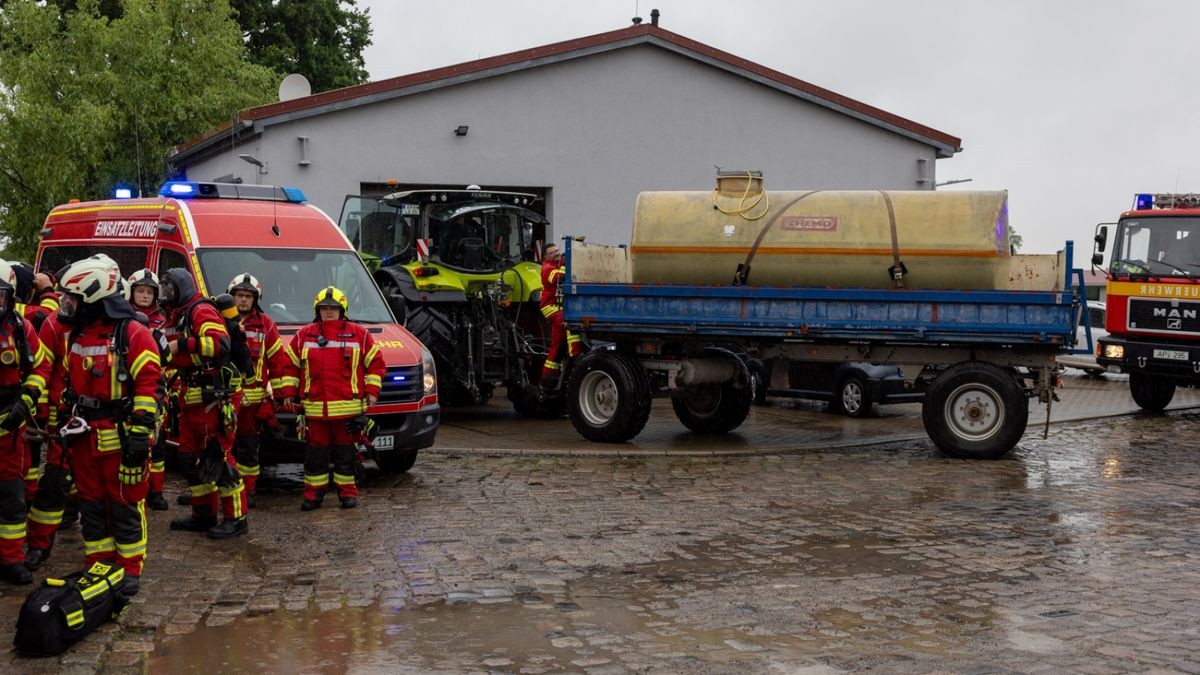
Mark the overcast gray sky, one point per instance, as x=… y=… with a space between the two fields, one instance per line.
x=1071 y=105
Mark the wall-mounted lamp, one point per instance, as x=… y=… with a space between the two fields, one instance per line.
x=461 y=130
x=262 y=166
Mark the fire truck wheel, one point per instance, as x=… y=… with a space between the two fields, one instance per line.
x=1150 y=393
x=975 y=411
x=396 y=461
x=713 y=408
x=608 y=397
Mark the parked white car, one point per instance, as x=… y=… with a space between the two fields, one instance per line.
x=1087 y=362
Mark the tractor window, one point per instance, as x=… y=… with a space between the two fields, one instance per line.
x=129 y=258
x=291 y=279
x=375 y=228
x=479 y=237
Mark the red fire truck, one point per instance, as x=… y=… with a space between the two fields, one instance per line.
x=219 y=230
x=1153 y=303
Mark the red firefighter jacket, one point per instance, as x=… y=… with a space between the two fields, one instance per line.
x=203 y=344
x=21 y=369
x=552 y=275
x=52 y=333
x=337 y=365
x=90 y=368
x=269 y=357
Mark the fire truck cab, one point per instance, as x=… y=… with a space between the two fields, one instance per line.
x=1153 y=296
x=219 y=230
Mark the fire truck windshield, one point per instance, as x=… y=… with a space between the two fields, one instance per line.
x=291 y=278
x=1160 y=246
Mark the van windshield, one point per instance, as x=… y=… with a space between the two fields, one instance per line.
x=291 y=278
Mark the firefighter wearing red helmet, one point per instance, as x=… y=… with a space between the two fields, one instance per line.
x=143 y=295
x=340 y=371
x=270 y=362
x=562 y=342
x=199 y=348
x=23 y=371
x=111 y=378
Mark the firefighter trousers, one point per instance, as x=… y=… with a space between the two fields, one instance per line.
x=14 y=463
x=329 y=441
x=196 y=426
x=54 y=488
x=252 y=419
x=112 y=514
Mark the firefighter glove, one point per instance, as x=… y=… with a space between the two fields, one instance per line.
x=360 y=424
x=133 y=458
x=15 y=413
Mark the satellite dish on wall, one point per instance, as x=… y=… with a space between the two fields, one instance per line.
x=294 y=86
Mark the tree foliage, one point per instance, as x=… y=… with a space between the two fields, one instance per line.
x=322 y=40
x=88 y=102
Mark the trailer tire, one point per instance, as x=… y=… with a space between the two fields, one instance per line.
x=713 y=408
x=975 y=411
x=608 y=397
x=1150 y=393
x=396 y=461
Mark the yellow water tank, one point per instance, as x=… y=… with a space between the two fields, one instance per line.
x=945 y=240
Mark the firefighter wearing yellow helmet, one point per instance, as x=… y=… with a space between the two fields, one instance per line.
x=339 y=371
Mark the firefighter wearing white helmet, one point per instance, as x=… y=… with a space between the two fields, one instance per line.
x=340 y=371
x=269 y=358
x=143 y=289
x=110 y=376
x=24 y=366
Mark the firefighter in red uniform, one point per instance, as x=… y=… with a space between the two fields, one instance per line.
x=340 y=371
x=209 y=395
x=34 y=314
x=23 y=370
x=56 y=483
x=112 y=384
x=270 y=360
x=143 y=290
x=562 y=341
x=44 y=293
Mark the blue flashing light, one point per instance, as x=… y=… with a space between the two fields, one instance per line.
x=1143 y=202
x=123 y=193
x=178 y=189
x=398 y=378
x=294 y=194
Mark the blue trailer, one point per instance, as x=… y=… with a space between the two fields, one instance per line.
x=983 y=353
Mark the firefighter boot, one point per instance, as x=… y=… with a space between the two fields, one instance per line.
x=16 y=574
x=201 y=520
x=130 y=585
x=312 y=504
x=36 y=557
x=155 y=501
x=184 y=499
x=229 y=528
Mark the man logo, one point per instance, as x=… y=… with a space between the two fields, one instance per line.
x=1174 y=324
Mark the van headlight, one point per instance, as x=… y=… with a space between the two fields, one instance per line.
x=1114 y=351
x=428 y=372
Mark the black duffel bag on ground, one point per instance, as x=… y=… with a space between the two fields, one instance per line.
x=61 y=612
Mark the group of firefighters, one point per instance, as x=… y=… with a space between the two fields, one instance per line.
x=97 y=371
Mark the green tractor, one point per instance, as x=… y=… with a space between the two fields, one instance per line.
x=459 y=269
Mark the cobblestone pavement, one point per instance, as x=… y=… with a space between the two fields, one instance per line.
x=1077 y=553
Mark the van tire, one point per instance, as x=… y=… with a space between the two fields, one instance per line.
x=396 y=461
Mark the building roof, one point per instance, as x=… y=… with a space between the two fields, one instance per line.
x=254 y=119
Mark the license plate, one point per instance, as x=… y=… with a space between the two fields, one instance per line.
x=1171 y=354
x=384 y=442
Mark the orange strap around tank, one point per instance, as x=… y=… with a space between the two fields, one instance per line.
x=743 y=270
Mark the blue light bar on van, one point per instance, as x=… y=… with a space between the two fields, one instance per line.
x=1143 y=202
x=123 y=193
x=269 y=193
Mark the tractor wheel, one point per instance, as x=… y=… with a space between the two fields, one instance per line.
x=527 y=404
x=435 y=330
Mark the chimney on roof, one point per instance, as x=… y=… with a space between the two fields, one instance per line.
x=654 y=17
x=637 y=20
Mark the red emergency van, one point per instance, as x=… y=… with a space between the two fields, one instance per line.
x=219 y=230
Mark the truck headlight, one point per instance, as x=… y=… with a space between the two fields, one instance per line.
x=428 y=372
x=1114 y=351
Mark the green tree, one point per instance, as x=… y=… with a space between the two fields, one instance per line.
x=88 y=103
x=320 y=39
x=1014 y=240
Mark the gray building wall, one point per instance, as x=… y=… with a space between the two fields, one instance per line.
x=596 y=130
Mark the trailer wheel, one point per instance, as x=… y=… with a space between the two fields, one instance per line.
x=608 y=397
x=396 y=461
x=975 y=411
x=852 y=397
x=1150 y=393
x=713 y=408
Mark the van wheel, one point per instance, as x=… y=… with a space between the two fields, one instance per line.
x=1150 y=393
x=396 y=461
x=975 y=411
x=851 y=397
